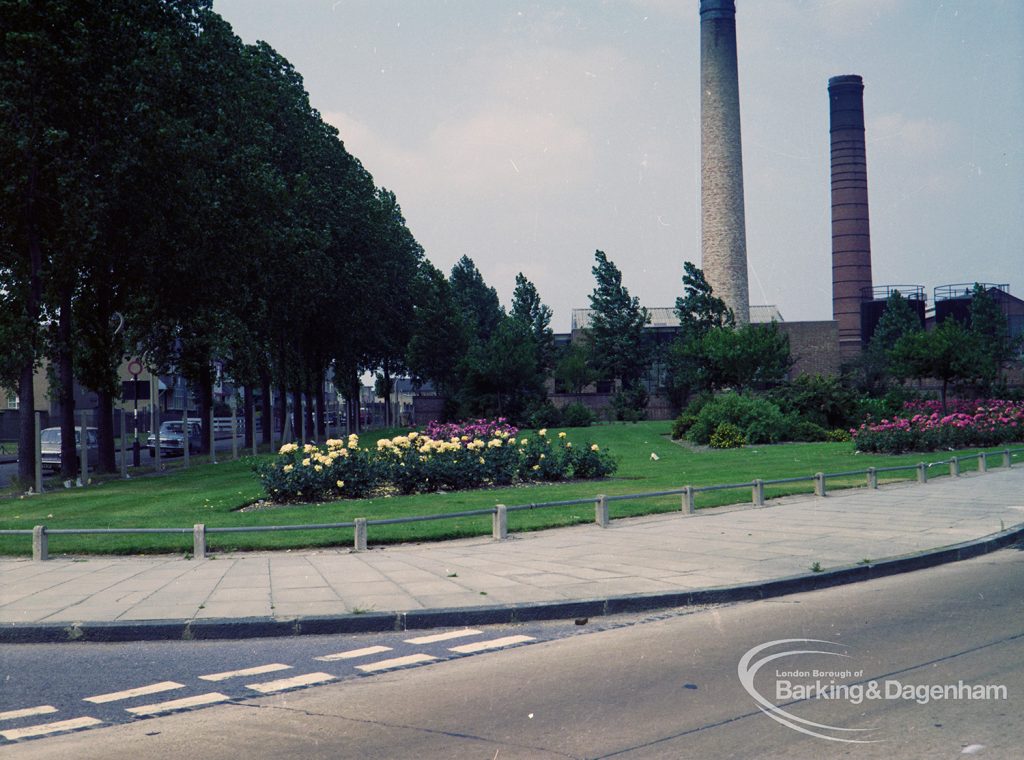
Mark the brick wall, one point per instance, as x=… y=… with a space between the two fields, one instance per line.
x=814 y=347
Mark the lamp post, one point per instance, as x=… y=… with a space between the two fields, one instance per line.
x=135 y=369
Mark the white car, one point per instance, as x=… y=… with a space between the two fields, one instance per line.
x=171 y=439
x=50 y=440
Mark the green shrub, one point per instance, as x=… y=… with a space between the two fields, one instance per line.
x=804 y=430
x=820 y=399
x=727 y=436
x=838 y=436
x=682 y=424
x=577 y=415
x=759 y=420
x=588 y=461
x=545 y=415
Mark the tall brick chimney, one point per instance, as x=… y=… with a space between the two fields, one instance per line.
x=851 y=236
x=723 y=226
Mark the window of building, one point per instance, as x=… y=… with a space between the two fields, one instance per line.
x=12 y=401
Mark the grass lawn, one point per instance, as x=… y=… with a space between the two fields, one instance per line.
x=212 y=494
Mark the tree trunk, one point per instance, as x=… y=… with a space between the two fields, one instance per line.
x=27 y=425
x=321 y=409
x=282 y=412
x=266 y=423
x=105 y=432
x=250 y=416
x=66 y=391
x=205 y=407
x=300 y=434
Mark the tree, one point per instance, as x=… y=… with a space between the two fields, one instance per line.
x=573 y=371
x=477 y=302
x=991 y=335
x=440 y=337
x=948 y=353
x=699 y=312
x=898 y=319
x=503 y=376
x=745 y=357
x=528 y=308
x=618 y=350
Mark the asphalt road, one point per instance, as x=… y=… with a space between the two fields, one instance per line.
x=663 y=687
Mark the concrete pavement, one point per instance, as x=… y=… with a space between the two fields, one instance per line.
x=639 y=563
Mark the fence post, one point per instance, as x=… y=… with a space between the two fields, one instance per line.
x=499 y=523
x=199 y=541
x=157 y=451
x=39 y=451
x=922 y=472
x=601 y=511
x=687 y=505
x=954 y=467
x=1007 y=458
x=40 y=544
x=872 y=477
x=360 y=534
x=757 y=493
x=983 y=462
x=819 y=484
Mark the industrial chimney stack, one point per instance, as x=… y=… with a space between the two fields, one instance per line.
x=851 y=237
x=723 y=227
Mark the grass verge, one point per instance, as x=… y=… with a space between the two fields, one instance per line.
x=212 y=494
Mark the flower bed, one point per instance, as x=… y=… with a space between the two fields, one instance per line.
x=923 y=427
x=421 y=463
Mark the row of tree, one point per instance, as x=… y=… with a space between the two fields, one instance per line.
x=162 y=176
x=958 y=354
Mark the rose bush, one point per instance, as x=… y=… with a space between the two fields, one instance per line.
x=420 y=463
x=924 y=427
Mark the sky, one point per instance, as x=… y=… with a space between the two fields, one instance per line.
x=526 y=135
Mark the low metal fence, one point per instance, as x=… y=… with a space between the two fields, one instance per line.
x=499 y=513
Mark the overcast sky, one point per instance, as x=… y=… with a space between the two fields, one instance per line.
x=528 y=134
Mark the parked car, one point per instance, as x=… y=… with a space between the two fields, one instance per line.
x=50 y=440
x=171 y=438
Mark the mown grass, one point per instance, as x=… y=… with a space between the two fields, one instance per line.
x=212 y=494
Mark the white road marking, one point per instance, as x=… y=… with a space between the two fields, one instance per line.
x=259 y=670
x=12 y=734
x=352 y=653
x=179 y=704
x=41 y=710
x=394 y=662
x=443 y=636
x=480 y=646
x=153 y=688
x=268 y=687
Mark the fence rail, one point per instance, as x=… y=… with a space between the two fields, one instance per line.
x=499 y=512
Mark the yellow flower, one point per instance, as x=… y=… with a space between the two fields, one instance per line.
x=340 y=484
x=288 y=448
x=309 y=448
x=318 y=468
x=412 y=435
x=524 y=441
x=568 y=444
x=481 y=460
x=305 y=462
x=542 y=432
x=287 y=468
x=335 y=443
x=536 y=467
x=543 y=456
x=561 y=435
x=595 y=447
